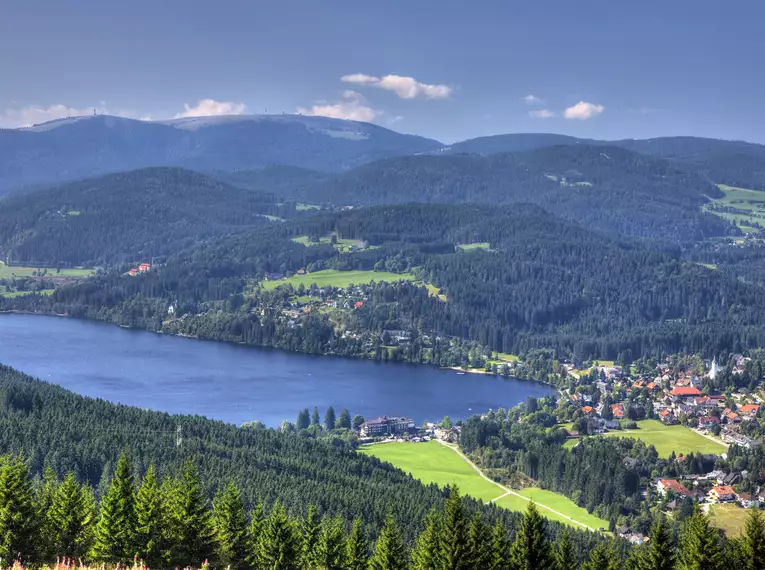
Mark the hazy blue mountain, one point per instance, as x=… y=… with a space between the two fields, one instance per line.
x=81 y=147
x=736 y=163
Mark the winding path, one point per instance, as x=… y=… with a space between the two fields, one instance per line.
x=510 y=491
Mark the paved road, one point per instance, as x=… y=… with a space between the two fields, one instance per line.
x=510 y=491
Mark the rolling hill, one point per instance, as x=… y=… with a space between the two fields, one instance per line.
x=126 y=217
x=81 y=147
x=605 y=188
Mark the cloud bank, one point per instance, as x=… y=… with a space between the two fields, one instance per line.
x=352 y=107
x=403 y=87
x=212 y=108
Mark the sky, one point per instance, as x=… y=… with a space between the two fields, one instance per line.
x=446 y=69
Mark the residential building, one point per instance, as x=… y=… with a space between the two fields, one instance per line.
x=665 y=486
x=723 y=493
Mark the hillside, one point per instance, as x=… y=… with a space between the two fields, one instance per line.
x=81 y=147
x=127 y=217
x=542 y=283
x=735 y=163
x=604 y=188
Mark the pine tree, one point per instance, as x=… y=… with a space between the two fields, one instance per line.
x=330 y=549
x=310 y=526
x=754 y=541
x=564 y=555
x=390 y=550
x=279 y=546
x=152 y=540
x=70 y=519
x=114 y=536
x=315 y=417
x=20 y=522
x=659 y=553
x=329 y=419
x=500 y=548
x=426 y=554
x=699 y=547
x=531 y=549
x=254 y=533
x=230 y=523
x=357 y=548
x=598 y=559
x=344 y=420
x=303 y=419
x=45 y=495
x=452 y=540
x=196 y=536
x=479 y=543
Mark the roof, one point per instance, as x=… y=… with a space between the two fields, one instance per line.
x=723 y=490
x=587 y=409
x=664 y=413
x=707 y=419
x=749 y=408
x=675 y=487
x=685 y=391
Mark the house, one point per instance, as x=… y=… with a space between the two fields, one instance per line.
x=708 y=421
x=133 y=272
x=667 y=417
x=385 y=425
x=144 y=267
x=723 y=493
x=749 y=410
x=665 y=486
x=748 y=501
x=358 y=304
x=731 y=417
x=685 y=392
x=588 y=410
x=618 y=411
x=301 y=271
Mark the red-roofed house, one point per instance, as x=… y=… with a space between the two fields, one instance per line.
x=667 y=417
x=665 y=486
x=708 y=421
x=144 y=267
x=685 y=391
x=588 y=410
x=749 y=409
x=133 y=272
x=358 y=304
x=723 y=493
x=618 y=411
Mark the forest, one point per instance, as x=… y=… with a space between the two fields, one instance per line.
x=544 y=283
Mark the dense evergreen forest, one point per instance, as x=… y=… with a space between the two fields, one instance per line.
x=128 y=217
x=543 y=283
x=604 y=188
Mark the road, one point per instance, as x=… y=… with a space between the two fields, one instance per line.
x=510 y=491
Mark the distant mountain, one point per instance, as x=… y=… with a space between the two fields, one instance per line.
x=81 y=147
x=735 y=163
x=126 y=217
x=288 y=181
x=604 y=188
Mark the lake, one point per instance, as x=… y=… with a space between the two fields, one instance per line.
x=236 y=383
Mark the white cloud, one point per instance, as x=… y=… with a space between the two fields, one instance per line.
x=394 y=120
x=211 y=108
x=353 y=107
x=532 y=100
x=404 y=87
x=541 y=114
x=583 y=111
x=34 y=114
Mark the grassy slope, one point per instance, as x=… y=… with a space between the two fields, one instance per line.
x=6 y=272
x=666 y=439
x=341 y=279
x=731 y=518
x=432 y=462
x=750 y=202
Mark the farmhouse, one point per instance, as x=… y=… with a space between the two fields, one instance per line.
x=685 y=392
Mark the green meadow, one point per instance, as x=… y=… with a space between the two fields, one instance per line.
x=8 y=272
x=340 y=279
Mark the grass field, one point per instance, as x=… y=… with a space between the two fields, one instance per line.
x=341 y=245
x=432 y=462
x=12 y=294
x=304 y=207
x=334 y=278
x=750 y=206
x=666 y=439
x=730 y=518
x=6 y=272
x=474 y=246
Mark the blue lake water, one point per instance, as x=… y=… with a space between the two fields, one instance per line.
x=236 y=383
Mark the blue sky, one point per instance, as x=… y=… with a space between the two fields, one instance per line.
x=448 y=69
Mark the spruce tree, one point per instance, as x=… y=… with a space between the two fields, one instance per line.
x=310 y=526
x=20 y=521
x=425 y=555
x=330 y=549
x=453 y=535
x=500 y=548
x=659 y=553
x=196 y=536
x=279 y=546
x=254 y=532
x=303 y=419
x=344 y=420
x=357 y=548
x=699 y=547
x=479 y=543
x=531 y=549
x=230 y=523
x=315 y=417
x=70 y=519
x=753 y=541
x=152 y=535
x=329 y=419
x=390 y=550
x=599 y=559
x=115 y=530
x=45 y=494
x=564 y=554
